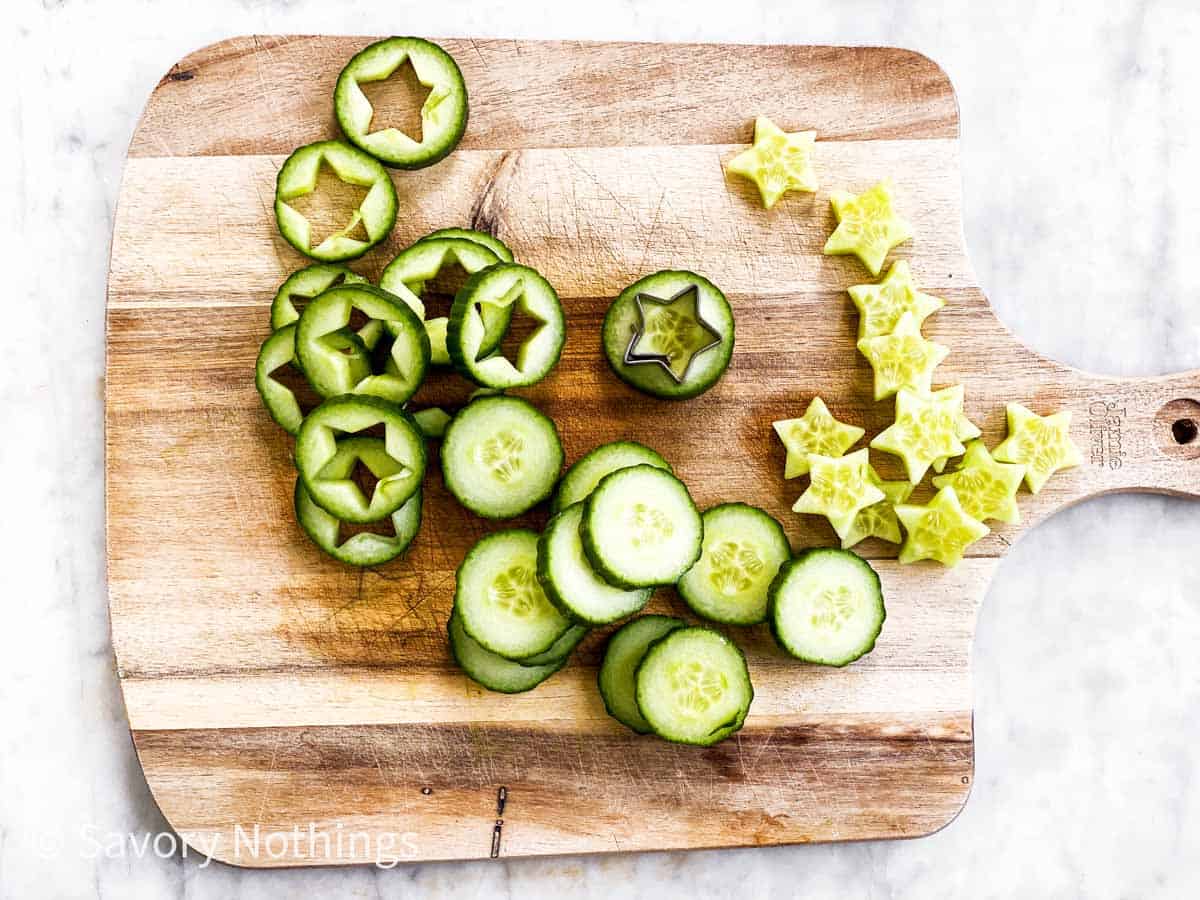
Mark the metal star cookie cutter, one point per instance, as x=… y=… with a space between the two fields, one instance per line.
x=638 y=359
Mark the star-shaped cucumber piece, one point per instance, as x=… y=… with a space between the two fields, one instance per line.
x=925 y=429
x=879 y=519
x=817 y=431
x=840 y=488
x=1041 y=443
x=902 y=359
x=881 y=305
x=868 y=226
x=778 y=162
x=966 y=430
x=986 y=489
x=940 y=530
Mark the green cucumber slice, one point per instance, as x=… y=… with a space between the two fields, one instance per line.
x=585 y=473
x=622 y=656
x=305 y=284
x=364 y=548
x=327 y=368
x=407 y=274
x=742 y=551
x=693 y=687
x=494 y=672
x=570 y=581
x=298 y=177
x=432 y=421
x=501 y=456
x=278 y=351
x=505 y=285
x=443 y=114
x=827 y=607
x=327 y=453
x=493 y=243
x=499 y=599
x=673 y=333
x=640 y=528
x=560 y=649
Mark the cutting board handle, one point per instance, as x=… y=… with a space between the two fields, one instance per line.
x=1139 y=434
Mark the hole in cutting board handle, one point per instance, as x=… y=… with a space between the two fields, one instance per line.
x=1179 y=424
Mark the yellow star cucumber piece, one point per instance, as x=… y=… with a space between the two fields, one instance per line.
x=881 y=305
x=1041 y=443
x=902 y=359
x=868 y=225
x=839 y=489
x=939 y=530
x=879 y=519
x=778 y=161
x=986 y=489
x=817 y=431
x=925 y=429
x=966 y=431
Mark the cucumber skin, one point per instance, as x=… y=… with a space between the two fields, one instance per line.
x=382 y=406
x=492 y=242
x=458 y=312
x=422 y=161
x=680 y=623
x=544 y=658
x=556 y=505
x=463 y=621
x=552 y=593
x=681 y=392
x=724 y=733
x=260 y=378
x=498 y=690
x=592 y=552
x=777 y=585
x=446 y=442
x=683 y=593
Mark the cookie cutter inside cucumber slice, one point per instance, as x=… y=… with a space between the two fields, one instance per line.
x=669 y=335
x=375 y=212
x=409 y=274
x=443 y=112
x=330 y=446
x=326 y=365
x=525 y=290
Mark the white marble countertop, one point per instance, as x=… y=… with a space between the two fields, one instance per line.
x=1080 y=144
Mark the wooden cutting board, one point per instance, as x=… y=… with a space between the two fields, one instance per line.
x=270 y=688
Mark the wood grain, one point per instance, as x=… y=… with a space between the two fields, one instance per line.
x=269 y=686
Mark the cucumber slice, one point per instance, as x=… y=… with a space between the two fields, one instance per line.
x=986 y=489
x=298 y=177
x=839 y=489
x=407 y=274
x=327 y=368
x=443 y=114
x=827 y=607
x=1042 y=444
x=305 y=284
x=494 y=672
x=693 y=687
x=279 y=350
x=326 y=458
x=881 y=305
x=560 y=649
x=570 y=581
x=742 y=551
x=363 y=549
x=432 y=421
x=868 y=225
x=640 y=528
x=503 y=286
x=501 y=456
x=493 y=243
x=622 y=656
x=939 y=530
x=499 y=599
x=585 y=473
x=672 y=329
x=926 y=429
x=817 y=433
